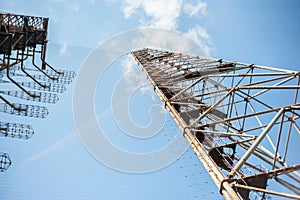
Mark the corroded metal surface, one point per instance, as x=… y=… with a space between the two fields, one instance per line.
x=240 y=119
x=24 y=38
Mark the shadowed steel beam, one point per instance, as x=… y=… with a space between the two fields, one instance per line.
x=267 y=191
x=255 y=144
x=212 y=107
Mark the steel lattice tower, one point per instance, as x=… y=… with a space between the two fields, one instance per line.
x=241 y=120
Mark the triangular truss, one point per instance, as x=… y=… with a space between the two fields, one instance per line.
x=242 y=120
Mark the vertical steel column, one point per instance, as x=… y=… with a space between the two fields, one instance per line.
x=44 y=46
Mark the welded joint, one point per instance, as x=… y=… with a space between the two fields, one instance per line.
x=296 y=74
x=222 y=183
x=184 y=130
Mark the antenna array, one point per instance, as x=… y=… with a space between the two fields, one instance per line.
x=24 y=38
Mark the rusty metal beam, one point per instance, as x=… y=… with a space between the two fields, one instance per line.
x=193 y=89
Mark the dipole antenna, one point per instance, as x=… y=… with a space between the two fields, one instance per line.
x=22 y=38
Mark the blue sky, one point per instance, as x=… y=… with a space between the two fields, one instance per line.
x=53 y=164
x=256 y=28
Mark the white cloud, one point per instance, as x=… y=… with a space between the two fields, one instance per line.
x=132 y=74
x=128 y=64
x=135 y=77
x=63 y=48
x=159 y=13
x=165 y=14
x=199 y=35
x=192 y=10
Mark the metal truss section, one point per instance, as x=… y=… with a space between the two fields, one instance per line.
x=42 y=96
x=16 y=130
x=24 y=110
x=64 y=73
x=5 y=162
x=24 y=38
x=40 y=77
x=15 y=22
x=242 y=120
x=50 y=87
x=21 y=31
